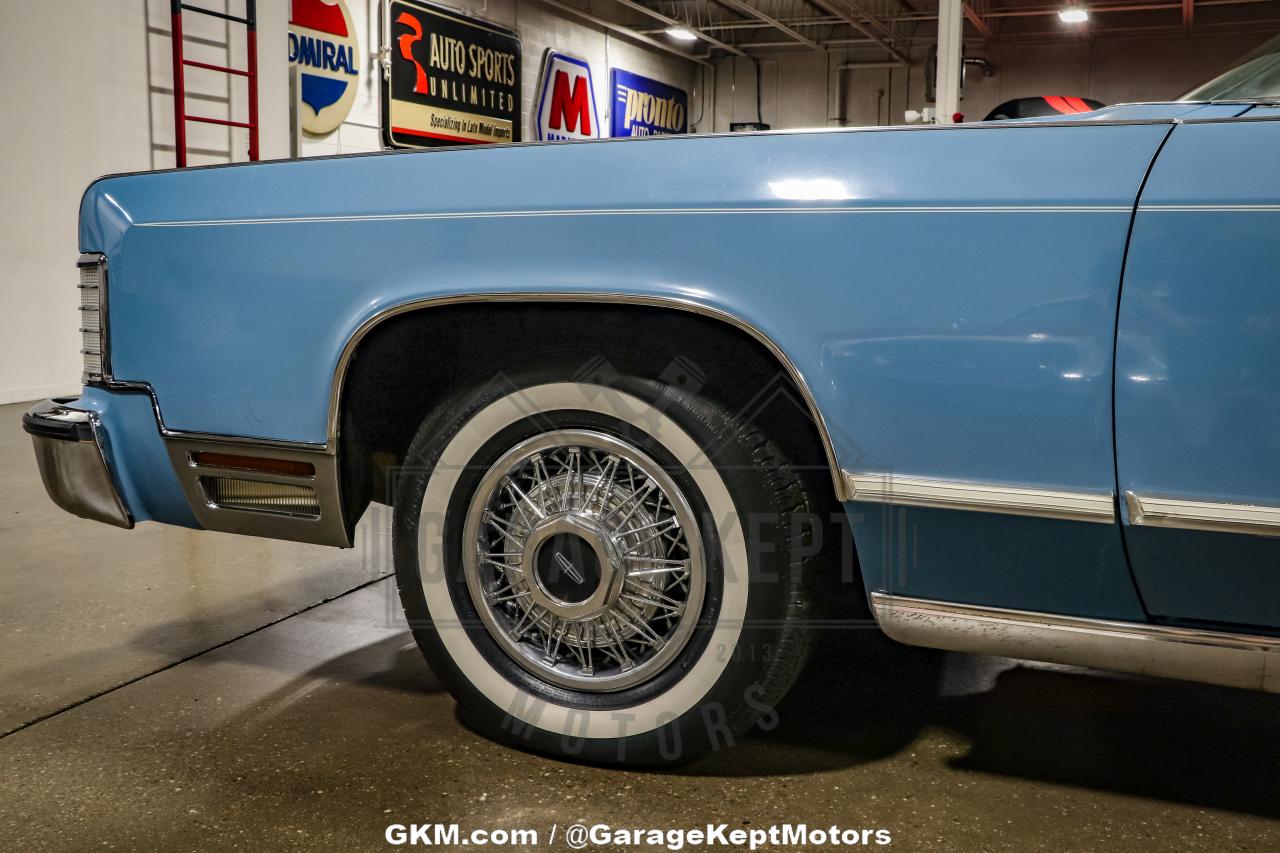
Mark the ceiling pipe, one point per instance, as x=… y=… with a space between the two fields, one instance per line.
x=747 y=9
x=1032 y=12
x=842 y=83
x=672 y=22
x=888 y=43
x=987 y=68
x=619 y=28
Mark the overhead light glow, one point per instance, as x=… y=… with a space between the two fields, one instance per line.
x=681 y=34
x=1073 y=14
x=812 y=189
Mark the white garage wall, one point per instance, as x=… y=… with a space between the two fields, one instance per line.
x=90 y=93
x=75 y=106
x=95 y=98
x=539 y=27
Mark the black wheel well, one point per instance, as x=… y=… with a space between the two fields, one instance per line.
x=406 y=363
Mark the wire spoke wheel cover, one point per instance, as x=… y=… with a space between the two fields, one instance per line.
x=584 y=560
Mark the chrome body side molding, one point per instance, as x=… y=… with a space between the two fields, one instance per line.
x=348 y=352
x=889 y=488
x=1230 y=660
x=1220 y=517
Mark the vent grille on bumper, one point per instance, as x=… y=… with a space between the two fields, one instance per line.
x=92 y=338
x=281 y=498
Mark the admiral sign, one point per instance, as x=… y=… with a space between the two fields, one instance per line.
x=322 y=42
x=646 y=107
x=566 y=99
x=452 y=80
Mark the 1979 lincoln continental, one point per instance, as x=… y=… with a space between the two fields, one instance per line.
x=628 y=399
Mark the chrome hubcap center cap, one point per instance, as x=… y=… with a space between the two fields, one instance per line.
x=576 y=568
x=583 y=560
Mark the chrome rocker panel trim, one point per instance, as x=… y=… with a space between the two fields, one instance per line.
x=1216 y=516
x=68 y=448
x=1229 y=660
x=890 y=488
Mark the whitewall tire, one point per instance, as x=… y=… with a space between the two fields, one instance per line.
x=575 y=562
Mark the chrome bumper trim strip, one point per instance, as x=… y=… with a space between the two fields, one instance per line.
x=890 y=488
x=1230 y=660
x=1149 y=511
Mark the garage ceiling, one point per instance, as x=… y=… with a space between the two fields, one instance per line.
x=892 y=27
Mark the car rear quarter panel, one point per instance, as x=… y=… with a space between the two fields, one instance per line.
x=948 y=294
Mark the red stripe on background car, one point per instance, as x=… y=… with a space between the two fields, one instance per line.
x=1060 y=104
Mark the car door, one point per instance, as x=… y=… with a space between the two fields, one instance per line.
x=1197 y=392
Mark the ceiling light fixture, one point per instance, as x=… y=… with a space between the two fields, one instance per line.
x=681 y=34
x=1073 y=14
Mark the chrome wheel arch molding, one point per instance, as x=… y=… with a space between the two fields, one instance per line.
x=674 y=303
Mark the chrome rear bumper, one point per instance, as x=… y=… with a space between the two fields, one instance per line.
x=69 y=452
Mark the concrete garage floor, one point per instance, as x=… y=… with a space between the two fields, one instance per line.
x=317 y=731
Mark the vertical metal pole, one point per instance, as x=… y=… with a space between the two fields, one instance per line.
x=251 y=39
x=179 y=86
x=950 y=59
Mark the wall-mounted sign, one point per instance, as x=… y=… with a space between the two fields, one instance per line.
x=322 y=43
x=566 y=106
x=452 y=80
x=646 y=107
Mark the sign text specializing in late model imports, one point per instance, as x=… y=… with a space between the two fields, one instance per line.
x=646 y=107
x=566 y=107
x=452 y=80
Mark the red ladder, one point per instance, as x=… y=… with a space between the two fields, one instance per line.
x=250 y=73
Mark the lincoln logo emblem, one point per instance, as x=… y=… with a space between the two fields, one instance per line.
x=569 y=569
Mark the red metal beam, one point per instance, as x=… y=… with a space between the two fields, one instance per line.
x=224 y=69
x=251 y=65
x=1188 y=14
x=222 y=121
x=979 y=23
x=179 y=86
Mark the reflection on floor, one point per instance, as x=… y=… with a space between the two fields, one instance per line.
x=323 y=728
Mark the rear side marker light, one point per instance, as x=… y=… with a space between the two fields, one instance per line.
x=279 y=498
x=285 y=467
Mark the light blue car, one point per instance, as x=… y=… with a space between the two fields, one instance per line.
x=630 y=399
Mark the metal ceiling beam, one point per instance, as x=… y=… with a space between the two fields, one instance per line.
x=980 y=23
x=873 y=20
x=889 y=44
x=756 y=24
x=654 y=13
x=1188 y=14
x=624 y=30
x=1094 y=9
x=745 y=9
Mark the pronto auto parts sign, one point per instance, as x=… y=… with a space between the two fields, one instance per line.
x=646 y=107
x=566 y=99
x=322 y=43
x=451 y=80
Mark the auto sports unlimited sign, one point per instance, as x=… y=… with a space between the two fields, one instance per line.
x=643 y=106
x=452 y=80
x=322 y=43
x=566 y=99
